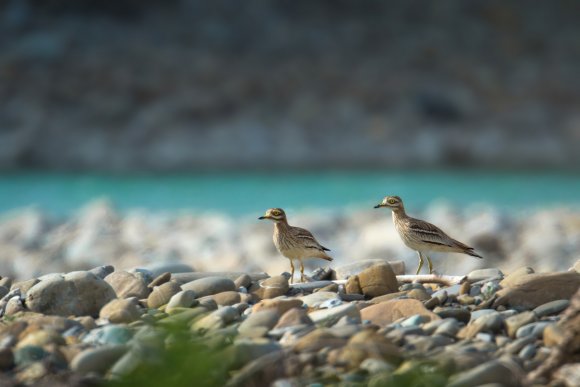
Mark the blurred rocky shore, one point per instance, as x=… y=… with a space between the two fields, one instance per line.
x=174 y=85
x=33 y=243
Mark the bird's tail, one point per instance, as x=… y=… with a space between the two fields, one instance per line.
x=467 y=249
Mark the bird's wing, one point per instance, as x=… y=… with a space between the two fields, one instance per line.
x=308 y=239
x=429 y=233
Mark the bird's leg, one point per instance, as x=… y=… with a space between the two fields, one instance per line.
x=420 y=262
x=301 y=271
x=430 y=264
x=292 y=273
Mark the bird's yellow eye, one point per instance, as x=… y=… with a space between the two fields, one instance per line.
x=392 y=201
x=276 y=213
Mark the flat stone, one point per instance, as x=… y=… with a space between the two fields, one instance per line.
x=98 y=360
x=243 y=281
x=528 y=352
x=318 y=339
x=519 y=320
x=387 y=312
x=554 y=335
x=491 y=323
x=329 y=317
x=345 y=271
x=314 y=300
x=450 y=328
x=532 y=290
x=280 y=305
x=484 y=274
x=259 y=323
x=550 y=308
x=120 y=311
x=515 y=275
x=209 y=286
x=216 y=320
x=160 y=280
x=172 y=267
x=482 y=312
x=460 y=314
x=294 y=317
x=126 y=284
x=182 y=299
x=227 y=298
x=494 y=371
x=311 y=286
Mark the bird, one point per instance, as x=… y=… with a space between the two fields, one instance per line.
x=294 y=242
x=422 y=236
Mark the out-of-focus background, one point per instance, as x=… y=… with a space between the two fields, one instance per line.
x=142 y=132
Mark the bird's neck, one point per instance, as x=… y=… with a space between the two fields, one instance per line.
x=399 y=213
x=281 y=225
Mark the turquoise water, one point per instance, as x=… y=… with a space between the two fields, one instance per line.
x=251 y=193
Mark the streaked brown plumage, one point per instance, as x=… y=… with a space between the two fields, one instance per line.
x=294 y=242
x=422 y=236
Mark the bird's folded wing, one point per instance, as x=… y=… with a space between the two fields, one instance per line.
x=429 y=233
x=308 y=238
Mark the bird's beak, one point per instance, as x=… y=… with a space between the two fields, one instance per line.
x=263 y=217
x=378 y=206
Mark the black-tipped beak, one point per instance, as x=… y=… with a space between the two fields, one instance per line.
x=261 y=217
x=378 y=206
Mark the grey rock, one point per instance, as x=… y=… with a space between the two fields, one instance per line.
x=460 y=314
x=550 y=308
x=449 y=327
x=375 y=366
x=121 y=311
x=209 y=285
x=28 y=354
x=528 y=352
x=172 y=267
x=102 y=271
x=126 y=284
x=182 y=299
x=534 y=329
x=217 y=319
x=329 y=317
x=414 y=321
x=517 y=345
x=24 y=286
x=243 y=281
x=109 y=334
x=98 y=360
x=310 y=286
x=484 y=274
x=495 y=371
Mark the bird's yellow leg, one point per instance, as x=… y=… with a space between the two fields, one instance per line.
x=301 y=271
x=430 y=264
x=420 y=263
x=292 y=273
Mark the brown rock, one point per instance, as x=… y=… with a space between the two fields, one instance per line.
x=24 y=286
x=352 y=285
x=387 y=312
x=243 y=281
x=532 y=290
x=120 y=311
x=162 y=294
x=227 y=298
x=127 y=284
x=514 y=275
x=367 y=344
x=554 y=335
x=388 y=297
x=378 y=280
x=293 y=317
x=465 y=287
x=318 y=339
x=418 y=294
x=517 y=321
x=281 y=305
x=270 y=288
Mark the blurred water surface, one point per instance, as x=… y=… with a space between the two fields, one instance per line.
x=247 y=193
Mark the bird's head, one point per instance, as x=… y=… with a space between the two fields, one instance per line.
x=392 y=202
x=274 y=214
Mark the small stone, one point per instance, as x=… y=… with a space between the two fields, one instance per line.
x=535 y=329
x=551 y=308
x=352 y=285
x=484 y=274
x=173 y=267
x=162 y=294
x=280 y=305
x=102 y=271
x=418 y=294
x=121 y=311
x=466 y=299
x=259 y=323
x=460 y=314
x=482 y=312
x=127 y=284
x=346 y=271
x=569 y=374
x=40 y=338
x=182 y=299
x=328 y=288
x=6 y=359
x=29 y=354
x=217 y=319
x=432 y=303
x=160 y=279
x=98 y=360
x=465 y=288
x=517 y=345
x=208 y=302
x=375 y=366
x=271 y=288
x=24 y=286
x=449 y=328
x=243 y=281
x=6 y=282
x=318 y=339
x=378 y=280
x=210 y=285
x=491 y=323
x=227 y=298
x=293 y=317
x=516 y=322
x=329 y=317
x=387 y=312
x=109 y=334
x=414 y=321
x=528 y=352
